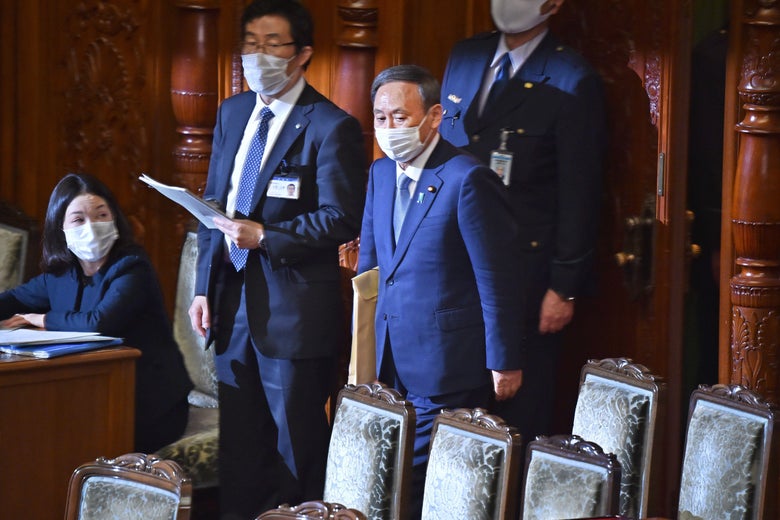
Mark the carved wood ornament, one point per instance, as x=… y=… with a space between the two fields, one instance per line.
x=755 y=287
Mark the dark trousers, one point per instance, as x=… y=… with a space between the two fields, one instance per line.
x=531 y=409
x=274 y=434
x=427 y=408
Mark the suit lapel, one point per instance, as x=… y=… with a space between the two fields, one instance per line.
x=295 y=125
x=425 y=193
x=521 y=86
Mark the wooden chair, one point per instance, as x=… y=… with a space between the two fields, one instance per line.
x=730 y=463
x=568 y=477
x=473 y=467
x=370 y=454
x=20 y=248
x=316 y=509
x=618 y=408
x=134 y=486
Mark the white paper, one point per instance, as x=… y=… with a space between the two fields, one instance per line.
x=199 y=208
x=43 y=337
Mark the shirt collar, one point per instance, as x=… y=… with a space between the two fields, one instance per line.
x=414 y=169
x=519 y=55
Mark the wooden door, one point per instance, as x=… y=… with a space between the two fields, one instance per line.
x=641 y=49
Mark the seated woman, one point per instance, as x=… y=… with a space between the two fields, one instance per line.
x=96 y=278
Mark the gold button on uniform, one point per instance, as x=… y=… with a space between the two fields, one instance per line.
x=534 y=243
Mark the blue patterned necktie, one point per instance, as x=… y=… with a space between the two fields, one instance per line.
x=402 y=198
x=503 y=76
x=246 y=186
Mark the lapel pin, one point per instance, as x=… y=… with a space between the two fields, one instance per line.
x=297 y=126
x=420 y=197
x=431 y=189
x=454 y=98
x=528 y=84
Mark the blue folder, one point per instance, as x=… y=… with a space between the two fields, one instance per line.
x=58 y=349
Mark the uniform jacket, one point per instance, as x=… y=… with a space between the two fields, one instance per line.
x=554 y=109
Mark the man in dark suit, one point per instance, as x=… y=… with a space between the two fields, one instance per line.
x=542 y=126
x=267 y=287
x=446 y=320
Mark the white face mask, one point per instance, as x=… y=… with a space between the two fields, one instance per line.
x=514 y=16
x=91 y=241
x=266 y=74
x=401 y=144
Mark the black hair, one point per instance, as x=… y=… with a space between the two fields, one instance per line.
x=427 y=84
x=57 y=258
x=296 y=14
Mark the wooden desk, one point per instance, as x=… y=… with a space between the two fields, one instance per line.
x=56 y=414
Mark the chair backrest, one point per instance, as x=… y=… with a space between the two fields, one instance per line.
x=618 y=408
x=729 y=467
x=314 y=509
x=19 y=246
x=568 y=477
x=198 y=360
x=473 y=467
x=134 y=486
x=370 y=454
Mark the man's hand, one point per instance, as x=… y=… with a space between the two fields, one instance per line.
x=556 y=313
x=506 y=383
x=244 y=233
x=23 y=320
x=200 y=317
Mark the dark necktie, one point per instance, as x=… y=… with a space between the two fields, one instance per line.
x=503 y=76
x=401 y=204
x=246 y=186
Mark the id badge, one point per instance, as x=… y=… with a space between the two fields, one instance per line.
x=501 y=163
x=282 y=187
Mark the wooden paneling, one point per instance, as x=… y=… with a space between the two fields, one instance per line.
x=57 y=414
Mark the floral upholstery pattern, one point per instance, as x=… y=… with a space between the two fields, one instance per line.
x=476 y=463
x=577 y=488
x=11 y=257
x=104 y=498
x=361 y=459
x=197 y=451
x=720 y=472
x=615 y=416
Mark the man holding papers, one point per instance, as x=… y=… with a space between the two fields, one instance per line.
x=268 y=286
x=97 y=279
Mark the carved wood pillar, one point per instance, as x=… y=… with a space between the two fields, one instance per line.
x=755 y=287
x=357 y=42
x=194 y=93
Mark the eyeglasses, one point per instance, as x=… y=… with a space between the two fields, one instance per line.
x=255 y=47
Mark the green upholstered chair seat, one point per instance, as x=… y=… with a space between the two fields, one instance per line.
x=198 y=449
x=720 y=464
x=615 y=417
x=11 y=257
x=617 y=409
x=473 y=467
x=569 y=477
x=370 y=451
x=559 y=488
x=133 y=486
x=361 y=457
x=478 y=466
x=104 y=498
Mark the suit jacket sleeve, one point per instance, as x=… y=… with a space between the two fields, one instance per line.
x=490 y=235
x=340 y=172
